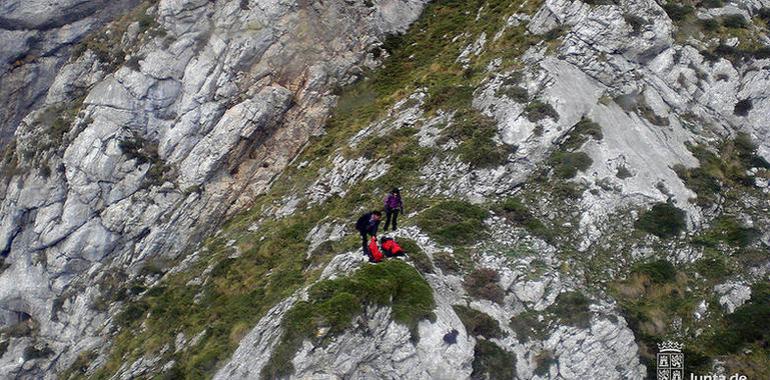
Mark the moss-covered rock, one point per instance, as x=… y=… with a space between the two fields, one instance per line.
x=334 y=303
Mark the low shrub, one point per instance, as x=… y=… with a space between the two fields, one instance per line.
x=478 y=323
x=538 y=110
x=581 y=132
x=709 y=24
x=748 y=324
x=543 y=362
x=481 y=151
x=527 y=326
x=446 y=262
x=746 y=151
x=706 y=186
x=712 y=3
x=663 y=220
x=417 y=256
x=517 y=93
x=713 y=267
x=636 y=22
x=572 y=308
x=492 y=362
x=566 y=165
x=454 y=222
x=676 y=11
x=735 y=22
x=730 y=231
x=482 y=283
x=515 y=211
x=659 y=271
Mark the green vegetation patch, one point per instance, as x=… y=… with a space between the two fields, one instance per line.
x=748 y=324
x=730 y=231
x=677 y=12
x=713 y=266
x=446 y=262
x=663 y=220
x=528 y=325
x=581 y=132
x=478 y=323
x=418 y=257
x=514 y=210
x=334 y=303
x=566 y=165
x=492 y=362
x=572 y=308
x=483 y=283
x=454 y=222
x=475 y=134
x=543 y=362
x=659 y=271
x=722 y=171
x=538 y=110
x=106 y=43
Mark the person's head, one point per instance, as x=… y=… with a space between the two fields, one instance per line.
x=376 y=215
x=395 y=191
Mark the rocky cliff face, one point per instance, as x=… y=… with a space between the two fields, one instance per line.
x=583 y=178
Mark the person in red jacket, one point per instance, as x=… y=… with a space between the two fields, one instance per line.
x=391 y=248
x=375 y=256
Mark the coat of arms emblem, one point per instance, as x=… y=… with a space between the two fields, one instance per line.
x=670 y=361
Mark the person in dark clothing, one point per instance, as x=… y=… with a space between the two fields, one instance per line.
x=393 y=206
x=367 y=225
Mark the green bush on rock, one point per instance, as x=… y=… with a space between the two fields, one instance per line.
x=333 y=304
x=454 y=222
x=663 y=220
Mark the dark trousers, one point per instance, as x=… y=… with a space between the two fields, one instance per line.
x=364 y=243
x=391 y=215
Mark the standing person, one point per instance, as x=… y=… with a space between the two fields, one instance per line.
x=367 y=226
x=393 y=206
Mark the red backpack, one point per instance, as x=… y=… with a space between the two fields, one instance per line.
x=375 y=255
x=391 y=248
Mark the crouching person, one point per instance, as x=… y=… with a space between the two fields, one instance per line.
x=375 y=256
x=367 y=226
x=390 y=247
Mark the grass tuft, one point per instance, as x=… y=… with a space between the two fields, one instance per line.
x=663 y=220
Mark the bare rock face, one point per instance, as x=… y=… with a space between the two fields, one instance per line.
x=36 y=37
x=213 y=101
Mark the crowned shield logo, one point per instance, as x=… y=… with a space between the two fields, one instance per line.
x=670 y=361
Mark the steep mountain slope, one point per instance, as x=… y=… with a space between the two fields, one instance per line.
x=583 y=181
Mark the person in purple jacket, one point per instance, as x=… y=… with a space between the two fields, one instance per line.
x=393 y=206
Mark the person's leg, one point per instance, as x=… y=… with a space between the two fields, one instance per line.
x=388 y=214
x=395 y=219
x=364 y=244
